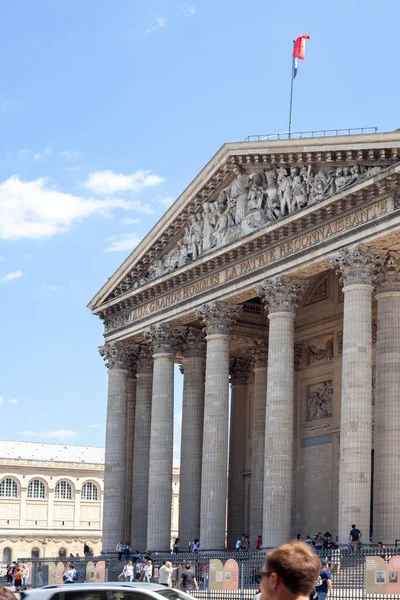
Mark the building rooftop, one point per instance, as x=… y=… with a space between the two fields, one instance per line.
x=39 y=451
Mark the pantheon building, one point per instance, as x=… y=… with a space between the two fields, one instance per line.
x=274 y=280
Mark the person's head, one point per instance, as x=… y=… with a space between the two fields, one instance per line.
x=149 y=561
x=289 y=572
x=6 y=593
x=353 y=526
x=380 y=544
x=259 y=537
x=188 y=565
x=168 y=564
x=130 y=563
x=71 y=566
x=196 y=541
x=324 y=562
x=298 y=537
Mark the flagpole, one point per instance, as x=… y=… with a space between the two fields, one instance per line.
x=291 y=94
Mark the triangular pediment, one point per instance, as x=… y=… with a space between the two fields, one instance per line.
x=245 y=188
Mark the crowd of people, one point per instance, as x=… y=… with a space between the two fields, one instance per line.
x=17 y=575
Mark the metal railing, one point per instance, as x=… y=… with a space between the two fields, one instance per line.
x=348 y=571
x=285 y=135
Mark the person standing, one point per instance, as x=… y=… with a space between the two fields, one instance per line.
x=147 y=572
x=238 y=544
x=138 y=569
x=119 y=548
x=165 y=574
x=259 y=543
x=9 y=571
x=196 y=545
x=128 y=571
x=18 y=578
x=176 y=546
x=289 y=572
x=70 y=574
x=86 y=549
x=319 y=541
x=188 y=579
x=326 y=581
x=355 y=537
x=127 y=550
x=25 y=576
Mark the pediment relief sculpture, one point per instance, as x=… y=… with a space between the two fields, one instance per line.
x=250 y=201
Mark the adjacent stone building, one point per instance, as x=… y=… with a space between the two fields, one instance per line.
x=51 y=499
x=276 y=272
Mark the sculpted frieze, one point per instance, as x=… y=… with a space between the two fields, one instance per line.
x=320 y=401
x=251 y=201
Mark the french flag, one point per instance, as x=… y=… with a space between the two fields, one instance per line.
x=299 y=52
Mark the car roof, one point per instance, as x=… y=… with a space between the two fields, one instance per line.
x=151 y=587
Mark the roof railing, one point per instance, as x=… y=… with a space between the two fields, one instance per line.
x=296 y=135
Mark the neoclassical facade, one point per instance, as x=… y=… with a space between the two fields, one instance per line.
x=274 y=280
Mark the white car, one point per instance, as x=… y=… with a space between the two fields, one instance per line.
x=105 y=591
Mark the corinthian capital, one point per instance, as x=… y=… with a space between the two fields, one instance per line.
x=162 y=337
x=354 y=265
x=218 y=317
x=282 y=294
x=259 y=353
x=387 y=272
x=194 y=343
x=116 y=355
x=144 y=359
x=239 y=369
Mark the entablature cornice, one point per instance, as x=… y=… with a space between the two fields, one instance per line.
x=309 y=219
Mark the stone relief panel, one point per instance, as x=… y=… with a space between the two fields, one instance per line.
x=320 y=401
x=251 y=201
x=320 y=351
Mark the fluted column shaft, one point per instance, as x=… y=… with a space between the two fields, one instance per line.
x=258 y=444
x=237 y=455
x=141 y=450
x=115 y=450
x=282 y=295
x=355 y=266
x=161 y=442
x=191 y=442
x=129 y=437
x=217 y=317
x=387 y=404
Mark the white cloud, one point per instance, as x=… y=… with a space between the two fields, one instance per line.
x=47 y=152
x=1 y=400
x=69 y=155
x=158 y=23
x=123 y=243
x=129 y=221
x=11 y=276
x=34 y=209
x=13 y=401
x=189 y=10
x=108 y=182
x=60 y=434
x=167 y=200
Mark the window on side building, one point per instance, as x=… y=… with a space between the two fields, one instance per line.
x=36 y=489
x=8 y=488
x=89 y=491
x=63 y=491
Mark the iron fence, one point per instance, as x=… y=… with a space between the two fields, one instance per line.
x=348 y=571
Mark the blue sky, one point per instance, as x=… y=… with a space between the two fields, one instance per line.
x=107 y=112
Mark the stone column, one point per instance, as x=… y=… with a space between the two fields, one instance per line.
x=355 y=266
x=386 y=516
x=239 y=369
x=116 y=355
x=192 y=436
x=282 y=295
x=129 y=436
x=162 y=337
x=217 y=318
x=260 y=355
x=141 y=448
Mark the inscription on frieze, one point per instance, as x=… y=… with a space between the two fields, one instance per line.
x=252 y=264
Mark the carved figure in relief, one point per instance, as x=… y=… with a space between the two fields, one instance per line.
x=238 y=193
x=209 y=220
x=299 y=190
x=320 y=401
x=195 y=236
